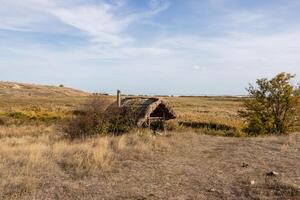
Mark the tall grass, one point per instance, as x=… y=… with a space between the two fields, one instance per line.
x=22 y=148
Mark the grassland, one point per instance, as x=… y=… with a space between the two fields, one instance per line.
x=38 y=162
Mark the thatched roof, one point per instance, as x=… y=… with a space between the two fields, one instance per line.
x=145 y=108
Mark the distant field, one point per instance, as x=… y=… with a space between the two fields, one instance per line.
x=192 y=112
x=208 y=110
x=197 y=113
x=38 y=162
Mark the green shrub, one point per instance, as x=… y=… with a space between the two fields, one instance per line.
x=211 y=128
x=271 y=106
x=96 y=118
x=18 y=115
x=89 y=122
x=208 y=125
x=120 y=120
x=297 y=90
x=46 y=117
x=23 y=117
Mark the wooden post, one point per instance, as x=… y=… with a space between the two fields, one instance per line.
x=119 y=98
x=149 y=120
x=164 y=122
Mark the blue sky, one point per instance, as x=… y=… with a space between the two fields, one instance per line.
x=187 y=47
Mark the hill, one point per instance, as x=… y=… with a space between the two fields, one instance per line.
x=21 y=90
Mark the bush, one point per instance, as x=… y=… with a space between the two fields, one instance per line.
x=89 y=122
x=271 y=107
x=96 y=118
x=120 y=120
x=297 y=90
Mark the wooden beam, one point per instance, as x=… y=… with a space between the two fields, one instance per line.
x=156 y=118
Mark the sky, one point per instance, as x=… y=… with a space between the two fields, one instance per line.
x=174 y=47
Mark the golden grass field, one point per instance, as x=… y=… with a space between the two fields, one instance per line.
x=193 y=160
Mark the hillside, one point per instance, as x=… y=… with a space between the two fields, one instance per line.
x=21 y=90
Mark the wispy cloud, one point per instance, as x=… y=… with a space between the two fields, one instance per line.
x=102 y=21
x=98 y=21
x=211 y=42
x=25 y=15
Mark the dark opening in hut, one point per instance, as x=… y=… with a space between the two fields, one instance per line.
x=146 y=111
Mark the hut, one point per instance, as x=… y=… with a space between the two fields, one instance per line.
x=145 y=110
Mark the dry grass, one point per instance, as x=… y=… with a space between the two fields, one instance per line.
x=18 y=131
x=142 y=166
x=31 y=159
x=45 y=144
x=221 y=110
x=11 y=89
x=217 y=110
x=37 y=162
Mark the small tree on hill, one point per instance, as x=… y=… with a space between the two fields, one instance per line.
x=271 y=106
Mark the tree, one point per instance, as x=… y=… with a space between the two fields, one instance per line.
x=297 y=90
x=271 y=106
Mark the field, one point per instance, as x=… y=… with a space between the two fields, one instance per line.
x=192 y=160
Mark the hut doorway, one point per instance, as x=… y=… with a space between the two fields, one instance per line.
x=157 y=119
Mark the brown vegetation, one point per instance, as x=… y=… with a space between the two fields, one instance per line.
x=11 y=89
x=142 y=166
x=88 y=121
x=39 y=162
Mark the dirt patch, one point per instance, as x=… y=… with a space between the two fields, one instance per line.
x=180 y=166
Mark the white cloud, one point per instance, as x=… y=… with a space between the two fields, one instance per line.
x=238 y=51
x=240 y=18
x=98 y=21
x=103 y=22
x=180 y=54
x=199 y=68
x=22 y=15
x=196 y=67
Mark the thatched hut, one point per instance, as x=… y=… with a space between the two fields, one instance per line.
x=145 y=110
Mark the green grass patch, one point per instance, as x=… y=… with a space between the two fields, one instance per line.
x=35 y=116
x=211 y=128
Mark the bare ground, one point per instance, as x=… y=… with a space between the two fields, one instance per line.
x=194 y=166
